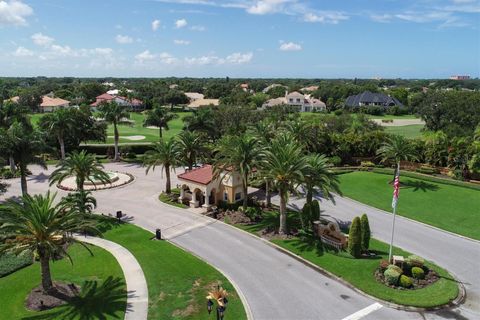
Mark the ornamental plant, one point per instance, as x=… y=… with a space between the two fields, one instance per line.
x=391 y=276
x=415 y=261
x=365 y=231
x=355 y=238
x=405 y=282
x=418 y=273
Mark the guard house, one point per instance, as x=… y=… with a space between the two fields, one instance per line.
x=199 y=188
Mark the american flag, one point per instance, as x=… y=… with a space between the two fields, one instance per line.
x=396 y=191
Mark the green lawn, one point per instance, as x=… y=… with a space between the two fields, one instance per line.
x=359 y=272
x=101 y=271
x=410 y=131
x=177 y=281
x=137 y=129
x=452 y=208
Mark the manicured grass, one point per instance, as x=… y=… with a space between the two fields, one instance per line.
x=360 y=273
x=452 y=208
x=409 y=131
x=151 y=135
x=166 y=199
x=108 y=301
x=177 y=281
x=386 y=116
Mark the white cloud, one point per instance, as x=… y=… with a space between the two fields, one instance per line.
x=63 y=50
x=14 y=13
x=181 y=42
x=384 y=18
x=203 y=60
x=23 y=52
x=144 y=56
x=325 y=17
x=290 y=46
x=167 y=58
x=123 y=39
x=180 y=23
x=155 y=25
x=42 y=40
x=239 y=58
x=198 y=28
x=267 y=6
x=422 y=17
x=102 y=51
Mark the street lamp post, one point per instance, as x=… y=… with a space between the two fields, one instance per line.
x=219 y=296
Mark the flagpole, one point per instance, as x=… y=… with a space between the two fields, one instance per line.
x=397 y=176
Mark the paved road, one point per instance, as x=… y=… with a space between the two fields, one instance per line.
x=137 y=290
x=459 y=255
x=275 y=285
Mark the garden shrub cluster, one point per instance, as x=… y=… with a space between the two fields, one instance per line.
x=9 y=262
x=359 y=236
x=6 y=173
x=413 y=274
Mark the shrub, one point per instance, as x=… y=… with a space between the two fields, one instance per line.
x=229 y=206
x=367 y=164
x=335 y=161
x=415 y=261
x=383 y=265
x=355 y=238
x=131 y=155
x=396 y=268
x=405 y=281
x=365 y=229
x=254 y=213
x=9 y=262
x=426 y=170
x=418 y=273
x=391 y=276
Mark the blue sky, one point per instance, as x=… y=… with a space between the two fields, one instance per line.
x=240 y=38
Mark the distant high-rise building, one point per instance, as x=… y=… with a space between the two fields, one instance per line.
x=460 y=78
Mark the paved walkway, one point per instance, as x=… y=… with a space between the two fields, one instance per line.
x=137 y=290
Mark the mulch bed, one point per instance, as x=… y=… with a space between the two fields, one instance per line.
x=430 y=277
x=234 y=217
x=38 y=300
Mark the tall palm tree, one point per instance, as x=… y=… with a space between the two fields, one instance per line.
x=166 y=154
x=59 y=123
x=317 y=175
x=240 y=154
x=36 y=224
x=396 y=149
x=192 y=146
x=159 y=117
x=9 y=113
x=115 y=114
x=83 y=166
x=284 y=166
x=202 y=120
x=25 y=143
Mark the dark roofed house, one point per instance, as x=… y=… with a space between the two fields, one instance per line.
x=368 y=98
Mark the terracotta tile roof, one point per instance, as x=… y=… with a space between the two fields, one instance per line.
x=204 y=102
x=202 y=175
x=105 y=96
x=53 y=102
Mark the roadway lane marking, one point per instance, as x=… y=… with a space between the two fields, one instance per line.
x=364 y=312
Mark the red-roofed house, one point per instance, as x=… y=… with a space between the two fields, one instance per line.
x=133 y=103
x=200 y=188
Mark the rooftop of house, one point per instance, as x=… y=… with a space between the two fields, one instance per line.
x=194 y=95
x=310 y=88
x=202 y=175
x=204 y=102
x=53 y=102
x=371 y=97
x=295 y=94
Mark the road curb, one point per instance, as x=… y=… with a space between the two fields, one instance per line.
x=452 y=304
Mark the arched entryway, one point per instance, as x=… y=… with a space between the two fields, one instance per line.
x=198 y=198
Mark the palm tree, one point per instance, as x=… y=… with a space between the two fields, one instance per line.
x=59 y=123
x=159 y=117
x=165 y=154
x=25 y=143
x=10 y=113
x=317 y=175
x=396 y=149
x=240 y=154
x=284 y=166
x=115 y=114
x=82 y=201
x=203 y=121
x=192 y=146
x=36 y=224
x=83 y=166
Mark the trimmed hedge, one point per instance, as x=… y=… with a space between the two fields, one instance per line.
x=391 y=276
x=414 y=175
x=9 y=262
x=405 y=281
x=418 y=273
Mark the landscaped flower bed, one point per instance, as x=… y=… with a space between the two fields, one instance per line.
x=411 y=275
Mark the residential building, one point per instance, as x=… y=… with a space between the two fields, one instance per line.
x=203 y=103
x=200 y=188
x=302 y=102
x=368 y=98
x=193 y=96
x=457 y=77
x=274 y=85
x=309 y=89
x=134 y=104
x=49 y=103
